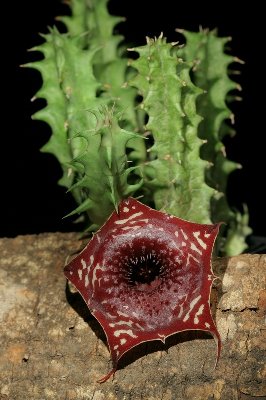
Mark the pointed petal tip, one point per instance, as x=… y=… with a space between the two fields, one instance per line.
x=69 y=268
x=107 y=376
x=67 y=271
x=218 y=225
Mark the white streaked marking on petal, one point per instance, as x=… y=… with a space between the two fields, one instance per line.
x=80 y=273
x=122 y=314
x=199 y=240
x=146 y=220
x=94 y=277
x=126 y=228
x=108 y=314
x=193 y=258
x=123 y=341
x=207 y=235
x=139 y=326
x=176 y=233
x=184 y=234
x=112 y=324
x=126 y=209
x=198 y=313
x=98 y=238
x=207 y=325
x=124 y=221
x=193 y=247
x=128 y=332
x=86 y=280
x=180 y=311
x=84 y=265
x=192 y=305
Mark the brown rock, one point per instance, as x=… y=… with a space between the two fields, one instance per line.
x=52 y=348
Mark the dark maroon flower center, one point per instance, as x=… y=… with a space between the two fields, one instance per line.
x=143 y=264
x=143 y=268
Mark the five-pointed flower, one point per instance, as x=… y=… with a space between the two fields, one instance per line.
x=146 y=275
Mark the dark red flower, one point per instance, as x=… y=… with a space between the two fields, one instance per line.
x=146 y=275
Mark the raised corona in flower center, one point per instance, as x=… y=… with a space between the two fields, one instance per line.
x=144 y=268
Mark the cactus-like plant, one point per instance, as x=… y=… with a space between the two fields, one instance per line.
x=185 y=171
x=174 y=171
x=210 y=72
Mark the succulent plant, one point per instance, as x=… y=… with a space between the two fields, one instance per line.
x=91 y=89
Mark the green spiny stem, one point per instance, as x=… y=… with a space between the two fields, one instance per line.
x=206 y=50
x=55 y=112
x=103 y=176
x=210 y=72
x=93 y=26
x=98 y=173
x=237 y=232
x=69 y=88
x=175 y=171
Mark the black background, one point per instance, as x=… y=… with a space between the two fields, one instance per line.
x=31 y=201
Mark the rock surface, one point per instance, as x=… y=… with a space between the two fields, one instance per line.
x=52 y=348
